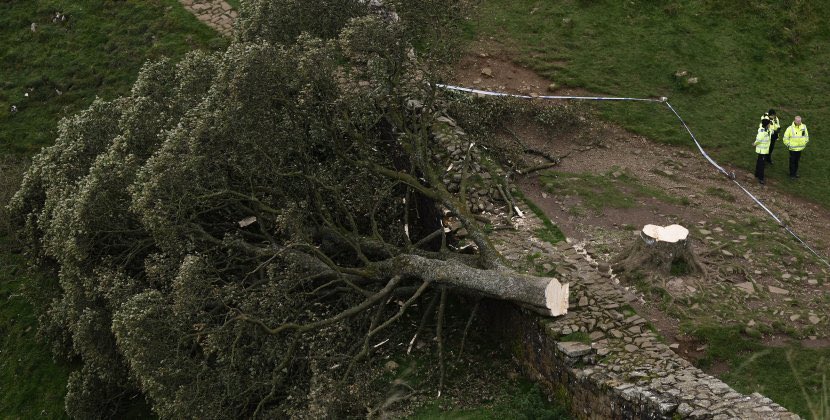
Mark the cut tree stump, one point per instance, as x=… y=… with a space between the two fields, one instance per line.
x=657 y=250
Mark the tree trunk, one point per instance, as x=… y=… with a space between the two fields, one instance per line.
x=660 y=250
x=542 y=294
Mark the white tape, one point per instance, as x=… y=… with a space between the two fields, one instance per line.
x=663 y=100
x=513 y=95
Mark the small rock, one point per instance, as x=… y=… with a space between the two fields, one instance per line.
x=391 y=366
x=631 y=348
x=573 y=348
x=616 y=174
x=552 y=87
x=477 y=81
x=692 y=80
x=704 y=232
x=795 y=317
x=681 y=73
x=778 y=291
x=487 y=71
x=814 y=319
x=812 y=282
x=786 y=276
x=727 y=253
x=746 y=287
x=674 y=346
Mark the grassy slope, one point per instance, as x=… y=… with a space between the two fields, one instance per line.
x=749 y=56
x=792 y=376
x=96 y=52
x=743 y=53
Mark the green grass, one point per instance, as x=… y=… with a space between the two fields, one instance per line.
x=601 y=191
x=793 y=376
x=236 y=4
x=32 y=385
x=577 y=336
x=748 y=56
x=520 y=400
x=720 y=193
x=97 y=51
x=549 y=232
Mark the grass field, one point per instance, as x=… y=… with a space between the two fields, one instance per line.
x=96 y=51
x=62 y=66
x=747 y=56
x=793 y=376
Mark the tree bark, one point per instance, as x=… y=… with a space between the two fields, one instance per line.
x=542 y=294
x=657 y=250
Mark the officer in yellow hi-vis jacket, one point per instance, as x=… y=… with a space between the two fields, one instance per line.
x=774 y=131
x=796 y=138
x=762 y=149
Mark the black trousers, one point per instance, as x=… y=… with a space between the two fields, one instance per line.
x=773 y=137
x=794 y=158
x=759 y=166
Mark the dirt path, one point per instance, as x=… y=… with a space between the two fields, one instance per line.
x=761 y=276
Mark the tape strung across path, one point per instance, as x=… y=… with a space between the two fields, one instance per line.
x=720 y=169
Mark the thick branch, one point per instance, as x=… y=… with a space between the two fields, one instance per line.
x=544 y=294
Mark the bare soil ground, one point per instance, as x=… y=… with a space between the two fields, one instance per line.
x=738 y=241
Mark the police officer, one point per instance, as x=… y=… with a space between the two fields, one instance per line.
x=775 y=130
x=796 y=138
x=761 y=143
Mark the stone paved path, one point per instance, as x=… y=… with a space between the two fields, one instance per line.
x=217 y=14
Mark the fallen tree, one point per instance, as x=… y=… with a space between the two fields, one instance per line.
x=244 y=223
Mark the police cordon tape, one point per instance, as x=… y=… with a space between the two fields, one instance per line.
x=730 y=175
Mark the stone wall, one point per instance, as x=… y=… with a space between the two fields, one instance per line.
x=618 y=367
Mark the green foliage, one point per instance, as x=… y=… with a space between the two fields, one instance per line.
x=485 y=117
x=96 y=52
x=62 y=66
x=748 y=57
x=221 y=196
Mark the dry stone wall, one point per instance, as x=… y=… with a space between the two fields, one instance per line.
x=619 y=368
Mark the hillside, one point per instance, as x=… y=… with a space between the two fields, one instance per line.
x=744 y=58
